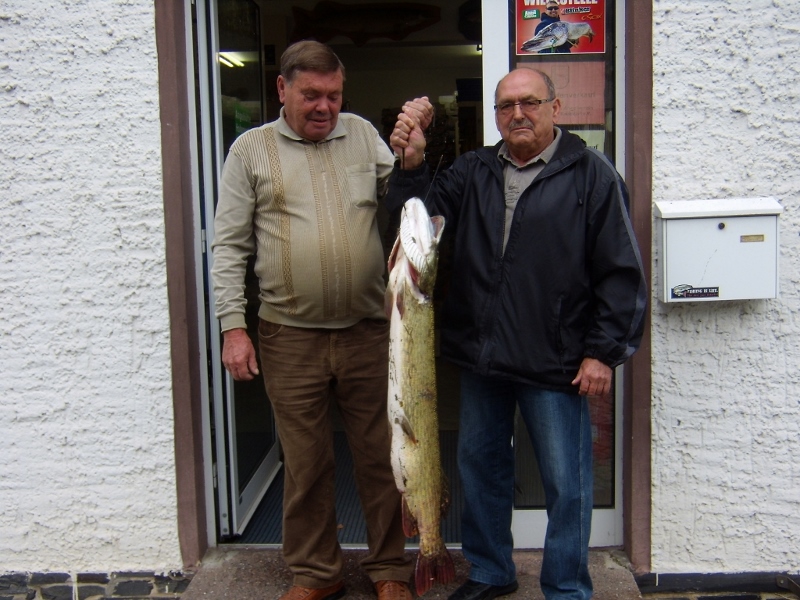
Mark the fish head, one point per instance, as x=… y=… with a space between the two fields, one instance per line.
x=419 y=237
x=578 y=30
x=550 y=36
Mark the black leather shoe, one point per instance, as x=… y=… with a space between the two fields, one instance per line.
x=472 y=590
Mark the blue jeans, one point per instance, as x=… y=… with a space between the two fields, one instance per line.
x=560 y=430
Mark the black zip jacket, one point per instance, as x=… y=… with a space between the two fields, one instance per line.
x=570 y=283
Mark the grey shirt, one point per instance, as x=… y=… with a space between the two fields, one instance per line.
x=519 y=177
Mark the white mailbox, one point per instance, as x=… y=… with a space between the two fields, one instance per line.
x=718 y=249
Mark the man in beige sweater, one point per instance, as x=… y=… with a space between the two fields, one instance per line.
x=301 y=193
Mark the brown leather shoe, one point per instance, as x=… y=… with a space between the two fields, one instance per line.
x=393 y=590
x=332 y=592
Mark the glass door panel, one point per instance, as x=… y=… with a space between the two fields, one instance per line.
x=585 y=73
x=231 y=101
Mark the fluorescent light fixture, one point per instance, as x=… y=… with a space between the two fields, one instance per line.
x=229 y=59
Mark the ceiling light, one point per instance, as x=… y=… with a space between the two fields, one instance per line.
x=229 y=59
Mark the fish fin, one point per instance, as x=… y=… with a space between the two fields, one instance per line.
x=399 y=299
x=409 y=522
x=436 y=568
x=438 y=226
x=405 y=425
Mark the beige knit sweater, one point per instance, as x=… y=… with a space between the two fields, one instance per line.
x=308 y=211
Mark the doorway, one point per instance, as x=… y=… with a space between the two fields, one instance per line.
x=239 y=43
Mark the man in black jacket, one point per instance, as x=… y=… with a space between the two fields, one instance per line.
x=547 y=295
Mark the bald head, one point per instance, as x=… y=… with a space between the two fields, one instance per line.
x=526 y=109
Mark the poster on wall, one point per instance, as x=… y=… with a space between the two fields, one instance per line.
x=581 y=87
x=546 y=27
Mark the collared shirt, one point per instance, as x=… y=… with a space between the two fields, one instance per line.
x=308 y=210
x=519 y=177
x=282 y=125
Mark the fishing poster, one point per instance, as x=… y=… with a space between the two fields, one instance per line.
x=545 y=27
x=581 y=86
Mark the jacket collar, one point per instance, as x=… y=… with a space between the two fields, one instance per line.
x=570 y=148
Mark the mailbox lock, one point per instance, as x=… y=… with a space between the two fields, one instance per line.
x=721 y=226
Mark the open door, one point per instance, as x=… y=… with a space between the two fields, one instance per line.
x=230 y=94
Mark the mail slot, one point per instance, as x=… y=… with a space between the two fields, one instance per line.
x=725 y=249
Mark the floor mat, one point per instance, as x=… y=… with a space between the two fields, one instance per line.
x=265 y=526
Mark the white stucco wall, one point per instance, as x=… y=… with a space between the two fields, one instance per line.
x=726 y=375
x=87 y=463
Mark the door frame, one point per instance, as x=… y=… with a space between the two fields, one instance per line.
x=193 y=470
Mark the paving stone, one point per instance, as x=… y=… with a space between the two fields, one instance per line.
x=87 y=591
x=93 y=578
x=48 y=578
x=173 y=584
x=14 y=583
x=56 y=592
x=133 y=587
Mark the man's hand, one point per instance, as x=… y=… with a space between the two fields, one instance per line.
x=594 y=378
x=238 y=355
x=408 y=138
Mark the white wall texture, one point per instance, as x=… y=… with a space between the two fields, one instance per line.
x=87 y=469
x=726 y=375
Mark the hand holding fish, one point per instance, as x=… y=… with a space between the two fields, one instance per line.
x=421 y=110
x=408 y=137
x=594 y=378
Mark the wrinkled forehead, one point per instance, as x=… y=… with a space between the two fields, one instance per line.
x=523 y=83
x=320 y=81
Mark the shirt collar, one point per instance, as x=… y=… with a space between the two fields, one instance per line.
x=283 y=128
x=545 y=155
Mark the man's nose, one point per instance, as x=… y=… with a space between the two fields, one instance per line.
x=323 y=105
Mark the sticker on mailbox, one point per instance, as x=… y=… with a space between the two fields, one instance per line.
x=689 y=291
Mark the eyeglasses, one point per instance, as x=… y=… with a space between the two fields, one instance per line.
x=527 y=106
x=549 y=8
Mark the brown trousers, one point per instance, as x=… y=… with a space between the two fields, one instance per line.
x=305 y=369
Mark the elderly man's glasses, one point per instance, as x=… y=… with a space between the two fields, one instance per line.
x=549 y=8
x=527 y=106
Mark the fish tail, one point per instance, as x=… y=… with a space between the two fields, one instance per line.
x=435 y=568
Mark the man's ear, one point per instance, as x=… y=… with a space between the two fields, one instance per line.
x=281 y=89
x=556 y=109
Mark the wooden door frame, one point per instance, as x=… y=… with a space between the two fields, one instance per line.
x=171 y=38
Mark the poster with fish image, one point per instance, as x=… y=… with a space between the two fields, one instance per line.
x=548 y=27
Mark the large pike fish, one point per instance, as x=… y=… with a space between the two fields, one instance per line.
x=412 y=391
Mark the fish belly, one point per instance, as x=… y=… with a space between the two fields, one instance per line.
x=414 y=423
